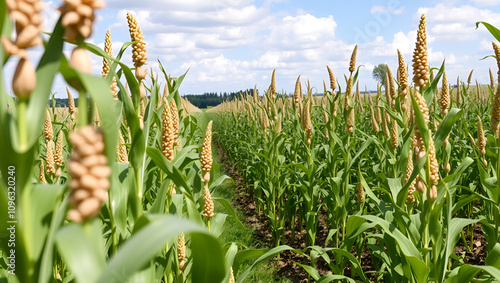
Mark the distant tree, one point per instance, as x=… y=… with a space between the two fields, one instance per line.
x=379 y=73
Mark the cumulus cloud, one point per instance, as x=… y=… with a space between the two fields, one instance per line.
x=387 y=9
x=452 y=24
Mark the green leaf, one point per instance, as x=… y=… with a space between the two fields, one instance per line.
x=330 y=277
x=445 y=127
x=493 y=30
x=493 y=258
x=269 y=254
x=44 y=200
x=208 y=259
x=230 y=210
x=86 y=259
x=421 y=123
x=466 y=272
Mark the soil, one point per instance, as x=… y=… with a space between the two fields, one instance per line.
x=286 y=264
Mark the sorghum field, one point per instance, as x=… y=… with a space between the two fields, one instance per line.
x=122 y=186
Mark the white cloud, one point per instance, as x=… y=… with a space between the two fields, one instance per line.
x=452 y=24
x=387 y=9
x=486 y=2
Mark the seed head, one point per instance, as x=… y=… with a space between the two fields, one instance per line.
x=352 y=63
x=375 y=124
x=181 y=247
x=109 y=50
x=167 y=141
x=434 y=168
x=206 y=155
x=394 y=134
x=208 y=203
x=71 y=104
x=420 y=63
x=272 y=87
x=231 y=276
x=28 y=22
x=297 y=95
x=409 y=169
x=445 y=96
x=121 y=150
x=78 y=17
x=175 y=121
x=306 y=121
x=348 y=93
x=333 y=84
x=139 y=56
x=89 y=173
x=58 y=158
x=492 y=80
x=42 y=173
x=350 y=122
x=459 y=97
x=481 y=141
x=47 y=129
x=24 y=79
x=495 y=110
x=403 y=76
x=469 y=79
x=360 y=193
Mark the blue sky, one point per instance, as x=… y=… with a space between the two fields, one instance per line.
x=233 y=45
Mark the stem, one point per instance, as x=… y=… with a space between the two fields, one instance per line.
x=22 y=125
x=82 y=107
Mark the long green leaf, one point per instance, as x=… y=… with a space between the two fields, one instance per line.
x=208 y=259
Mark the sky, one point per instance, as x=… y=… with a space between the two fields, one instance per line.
x=232 y=45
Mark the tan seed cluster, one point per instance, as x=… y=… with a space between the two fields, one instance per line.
x=434 y=168
x=403 y=76
x=420 y=62
x=206 y=155
x=89 y=173
x=108 y=48
x=481 y=141
x=375 y=124
x=272 y=87
x=47 y=129
x=360 y=192
x=348 y=92
x=392 y=87
x=167 y=134
x=231 y=276
x=469 y=79
x=394 y=134
x=58 y=158
x=139 y=56
x=181 y=251
x=42 y=173
x=208 y=204
x=492 y=80
x=333 y=83
x=409 y=169
x=121 y=150
x=445 y=95
x=78 y=17
x=28 y=22
x=495 y=110
x=306 y=121
x=350 y=122
x=175 y=122
x=71 y=104
x=297 y=94
x=352 y=63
